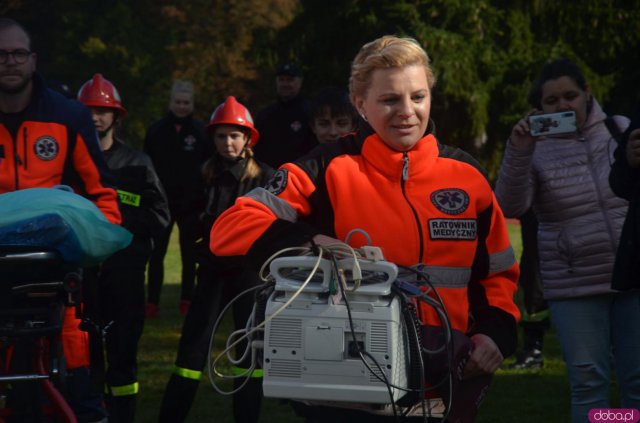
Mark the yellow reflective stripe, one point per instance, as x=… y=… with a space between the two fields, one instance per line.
x=241 y=371
x=187 y=373
x=129 y=198
x=121 y=391
x=535 y=317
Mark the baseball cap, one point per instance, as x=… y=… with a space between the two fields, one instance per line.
x=289 y=69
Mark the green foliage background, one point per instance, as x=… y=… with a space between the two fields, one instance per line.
x=485 y=53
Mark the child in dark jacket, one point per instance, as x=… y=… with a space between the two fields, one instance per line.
x=230 y=172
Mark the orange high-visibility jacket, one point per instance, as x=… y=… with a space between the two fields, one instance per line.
x=430 y=205
x=56 y=143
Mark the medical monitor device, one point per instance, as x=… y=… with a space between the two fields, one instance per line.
x=310 y=353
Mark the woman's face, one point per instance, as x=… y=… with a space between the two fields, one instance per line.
x=103 y=118
x=181 y=104
x=397 y=105
x=563 y=94
x=229 y=141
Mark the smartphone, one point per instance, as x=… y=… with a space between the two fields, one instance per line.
x=552 y=123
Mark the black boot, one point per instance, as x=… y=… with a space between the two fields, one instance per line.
x=246 y=402
x=121 y=409
x=178 y=398
x=531 y=355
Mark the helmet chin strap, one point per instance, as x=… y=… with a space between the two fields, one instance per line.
x=104 y=133
x=111 y=128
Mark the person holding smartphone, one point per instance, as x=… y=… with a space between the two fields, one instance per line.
x=564 y=177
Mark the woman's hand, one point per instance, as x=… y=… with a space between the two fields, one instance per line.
x=485 y=357
x=521 y=137
x=633 y=149
x=323 y=240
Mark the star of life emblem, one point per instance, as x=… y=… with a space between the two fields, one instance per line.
x=278 y=182
x=450 y=200
x=46 y=148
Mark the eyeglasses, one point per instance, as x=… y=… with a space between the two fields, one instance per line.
x=20 y=56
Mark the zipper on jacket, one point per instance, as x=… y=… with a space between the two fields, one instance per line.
x=405 y=166
x=17 y=161
x=601 y=202
x=24 y=147
x=405 y=177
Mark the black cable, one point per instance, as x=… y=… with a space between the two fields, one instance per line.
x=355 y=341
x=447 y=377
x=442 y=314
x=441 y=311
x=447 y=326
x=423 y=389
x=414 y=340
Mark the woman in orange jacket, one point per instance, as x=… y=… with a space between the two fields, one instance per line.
x=421 y=202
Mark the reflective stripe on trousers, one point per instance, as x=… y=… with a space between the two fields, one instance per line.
x=187 y=373
x=240 y=371
x=123 y=390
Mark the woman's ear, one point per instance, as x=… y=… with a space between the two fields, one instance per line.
x=358 y=102
x=247 y=140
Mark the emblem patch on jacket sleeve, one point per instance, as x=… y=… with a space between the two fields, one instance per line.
x=46 y=148
x=450 y=200
x=278 y=182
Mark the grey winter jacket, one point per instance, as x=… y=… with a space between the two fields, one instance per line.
x=580 y=218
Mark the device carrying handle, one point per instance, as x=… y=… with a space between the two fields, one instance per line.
x=369 y=277
x=284 y=268
x=380 y=267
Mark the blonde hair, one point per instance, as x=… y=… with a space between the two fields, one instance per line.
x=386 y=52
x=252 y=170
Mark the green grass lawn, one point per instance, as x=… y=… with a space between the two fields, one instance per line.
x=516 y=396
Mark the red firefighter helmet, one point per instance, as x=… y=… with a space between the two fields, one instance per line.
x=231 y=112
x=100 y=92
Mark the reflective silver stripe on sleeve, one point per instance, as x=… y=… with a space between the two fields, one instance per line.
x=448 y=277
x=278 y=206
x=501 y=261
x=442 y=276
x=458 y=277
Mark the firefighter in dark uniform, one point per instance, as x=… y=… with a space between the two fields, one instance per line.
x=145 y=212
x=177 y=145
x=284 y=125
x=230 y=172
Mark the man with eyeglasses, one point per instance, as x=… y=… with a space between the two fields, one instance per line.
x=34 y=154
x=48 y=140
x=20 y=56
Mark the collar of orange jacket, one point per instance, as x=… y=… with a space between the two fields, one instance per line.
x=390 y=162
